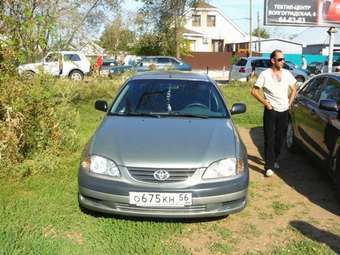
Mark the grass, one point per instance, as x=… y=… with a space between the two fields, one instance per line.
x=240 y=92
x=220 y=248
x=39 y=214
x=280 y=208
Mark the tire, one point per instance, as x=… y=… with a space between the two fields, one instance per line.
x=291 y=143
x=28 y=75
x=76 y=75
x=337 y=176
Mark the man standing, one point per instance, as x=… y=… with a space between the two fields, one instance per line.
x=275 y=83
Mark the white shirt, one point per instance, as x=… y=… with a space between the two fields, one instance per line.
x=274 y=90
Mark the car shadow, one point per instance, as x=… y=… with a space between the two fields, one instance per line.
x=318 y=235
x=300 y=172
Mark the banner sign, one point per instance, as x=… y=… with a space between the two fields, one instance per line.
x=302 y=13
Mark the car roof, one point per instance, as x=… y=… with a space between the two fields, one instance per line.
x=157 y=57
x=333 y=74
x=255 y=58
x=166 y=75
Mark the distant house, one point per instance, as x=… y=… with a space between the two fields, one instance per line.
x=209 y=30
x=88 y=47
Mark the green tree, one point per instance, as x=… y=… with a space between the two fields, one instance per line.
x=166 y=18
x=261 y=32
x=117 y=37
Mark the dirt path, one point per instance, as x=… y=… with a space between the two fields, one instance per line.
x=297 y=202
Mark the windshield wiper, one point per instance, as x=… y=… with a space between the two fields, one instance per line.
x=190 y=115
x=139 y=114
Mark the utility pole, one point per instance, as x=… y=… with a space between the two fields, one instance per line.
x=258 y=32
x=250 y=27
x=331 y=31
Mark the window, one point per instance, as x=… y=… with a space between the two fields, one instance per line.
x=163 y=61
x=172 y=97
x=211 y=20
x=71 y=57
x=53 y=57
x=312 y=89
x=331 y=90
x=174 y=61
x=196 y=20
x=242 y=62
x=262 y=63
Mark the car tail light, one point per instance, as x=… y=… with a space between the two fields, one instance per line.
x=242 y=70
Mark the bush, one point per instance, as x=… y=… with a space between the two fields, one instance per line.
x=34 y=119
x=39 y=120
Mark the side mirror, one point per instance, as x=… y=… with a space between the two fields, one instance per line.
x=238 y=108
x=101 y=105
x=328 y=105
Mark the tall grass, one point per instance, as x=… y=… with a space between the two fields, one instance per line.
x=39 y=120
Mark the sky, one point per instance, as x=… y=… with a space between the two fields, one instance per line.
x=238 y=12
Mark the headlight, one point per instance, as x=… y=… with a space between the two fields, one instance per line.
x=99 y=165
x=224 y=168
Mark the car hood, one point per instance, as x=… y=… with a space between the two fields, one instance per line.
x=164 y=142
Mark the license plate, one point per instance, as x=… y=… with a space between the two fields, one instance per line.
x=151 y=199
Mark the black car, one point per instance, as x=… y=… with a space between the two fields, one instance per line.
x=314 y=122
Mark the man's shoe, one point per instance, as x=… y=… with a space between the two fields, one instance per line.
x=276 y=165
x=269 y=172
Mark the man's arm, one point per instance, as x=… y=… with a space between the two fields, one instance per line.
x=292 y=94
x=256 y=93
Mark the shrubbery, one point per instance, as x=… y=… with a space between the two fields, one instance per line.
x=38 y=120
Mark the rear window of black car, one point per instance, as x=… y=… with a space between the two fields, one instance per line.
x=170 y=96
x=241 y=62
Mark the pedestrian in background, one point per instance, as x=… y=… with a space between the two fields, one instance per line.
x=275 y=83
x=303 y=63
x=99 y=64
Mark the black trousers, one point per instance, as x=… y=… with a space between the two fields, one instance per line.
x=275 y=127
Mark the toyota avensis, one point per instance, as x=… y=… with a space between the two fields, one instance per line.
x=166 y=148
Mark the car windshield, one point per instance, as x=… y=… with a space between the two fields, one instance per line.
x=178 y=98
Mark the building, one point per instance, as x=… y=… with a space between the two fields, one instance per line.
x=209 y=30
x=268 y=45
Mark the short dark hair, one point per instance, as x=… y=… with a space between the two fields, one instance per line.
x=273 y=54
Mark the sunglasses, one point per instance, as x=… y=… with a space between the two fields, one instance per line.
x=280 y=59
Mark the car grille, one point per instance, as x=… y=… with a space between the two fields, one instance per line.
x=146 y=174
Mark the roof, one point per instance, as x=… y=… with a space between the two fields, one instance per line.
x=188 y=31
x=202 y=4
x=165 y=75
x=255 y=39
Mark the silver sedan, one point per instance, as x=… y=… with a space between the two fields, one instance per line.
x=166 y=148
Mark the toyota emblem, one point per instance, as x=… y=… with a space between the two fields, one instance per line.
x=161 y=175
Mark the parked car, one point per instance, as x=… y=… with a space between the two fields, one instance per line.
x=154 y=63
x=315 y=67
x=243 y=68
x=75 y=65
x=166 y=148
x=314 y=122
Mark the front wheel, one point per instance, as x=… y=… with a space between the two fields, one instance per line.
x=76 y=75
x=290 y=138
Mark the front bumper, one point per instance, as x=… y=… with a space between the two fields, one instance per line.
x=208 y=199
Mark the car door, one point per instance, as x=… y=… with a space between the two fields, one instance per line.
x=306 y=111
x=327 y=133
x=51 y=64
